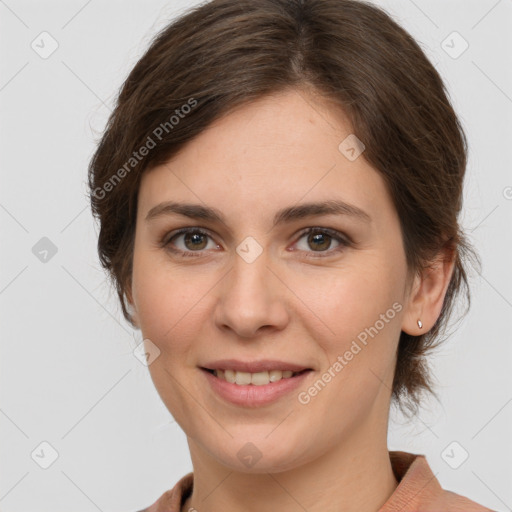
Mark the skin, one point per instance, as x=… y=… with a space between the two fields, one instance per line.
x=330 y=454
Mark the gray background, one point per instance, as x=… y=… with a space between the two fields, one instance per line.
x=68 y=373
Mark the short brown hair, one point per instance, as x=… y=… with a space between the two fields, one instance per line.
x=224 y=53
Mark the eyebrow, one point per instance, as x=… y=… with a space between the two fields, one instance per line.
x=289 y=214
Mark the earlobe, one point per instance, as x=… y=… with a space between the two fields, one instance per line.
x=412 y=320
x=427 y=296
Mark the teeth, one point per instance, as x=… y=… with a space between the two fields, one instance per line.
x=257 y=379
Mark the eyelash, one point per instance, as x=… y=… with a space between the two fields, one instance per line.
x=343 y=240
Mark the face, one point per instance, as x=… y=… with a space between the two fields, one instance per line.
x=324 y=291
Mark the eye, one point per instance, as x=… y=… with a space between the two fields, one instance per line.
x=193 y=238
x=321 y=238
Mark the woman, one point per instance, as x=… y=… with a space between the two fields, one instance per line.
x=278 y=190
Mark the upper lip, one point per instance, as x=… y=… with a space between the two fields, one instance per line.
x=254 y=366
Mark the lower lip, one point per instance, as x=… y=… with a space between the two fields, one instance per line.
x=254 y=396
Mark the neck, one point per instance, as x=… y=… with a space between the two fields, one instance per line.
x=355 y=476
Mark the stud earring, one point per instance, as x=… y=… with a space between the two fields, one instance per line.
x=420 y=325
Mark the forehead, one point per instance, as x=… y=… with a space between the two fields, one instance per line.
x=273 y=152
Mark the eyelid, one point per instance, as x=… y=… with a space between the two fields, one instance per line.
x=166 y=239
x=343 y=240
x=334 y=233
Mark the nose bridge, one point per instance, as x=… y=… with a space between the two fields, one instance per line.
x=250 y=297
x=250 y=272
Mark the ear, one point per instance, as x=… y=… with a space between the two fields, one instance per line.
x=427 y=294
x=132 y=308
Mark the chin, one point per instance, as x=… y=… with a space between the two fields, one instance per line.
x=259 y=455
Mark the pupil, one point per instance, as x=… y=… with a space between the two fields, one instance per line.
x=195 y=237
x=317 y=237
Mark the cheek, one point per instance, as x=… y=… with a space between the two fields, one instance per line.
x=159 y=296
x=169 y=310
x=357 y=313
x=349 y=299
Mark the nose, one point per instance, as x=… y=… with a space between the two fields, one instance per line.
x=252 y=299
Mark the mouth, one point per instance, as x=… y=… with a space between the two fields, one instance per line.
x=246 y=389
x=263 y=378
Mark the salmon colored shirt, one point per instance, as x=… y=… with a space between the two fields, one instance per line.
x=418 y=490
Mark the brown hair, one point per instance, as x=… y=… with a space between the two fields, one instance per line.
x=224 y=53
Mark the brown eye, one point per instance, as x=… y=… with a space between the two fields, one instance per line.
x=194 y=240
x=319 y=240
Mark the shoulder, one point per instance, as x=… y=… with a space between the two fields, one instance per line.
x=453 y=502
x=170 y=501
x=419 y=489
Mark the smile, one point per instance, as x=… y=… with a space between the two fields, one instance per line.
x=256 y=379
x=253 y=389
